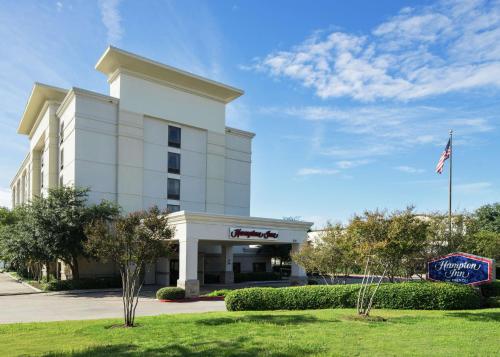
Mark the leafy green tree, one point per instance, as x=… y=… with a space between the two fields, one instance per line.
x=333 y=253
x=7 y=217
x=488 y=217
x=21 y=244
x=60 y=219
x=131 y=242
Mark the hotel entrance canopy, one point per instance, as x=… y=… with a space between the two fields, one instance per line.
x=192 y=227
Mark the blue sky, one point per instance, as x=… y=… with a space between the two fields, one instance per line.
x=351 y=100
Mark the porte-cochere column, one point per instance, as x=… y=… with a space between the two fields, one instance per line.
x=188 y=267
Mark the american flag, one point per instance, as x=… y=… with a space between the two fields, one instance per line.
x=444 y=156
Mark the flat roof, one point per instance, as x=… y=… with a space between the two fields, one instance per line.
x=39 y=95
x=115 y=58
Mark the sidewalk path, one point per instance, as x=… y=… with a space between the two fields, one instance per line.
x=10 y=286
x=87 y=306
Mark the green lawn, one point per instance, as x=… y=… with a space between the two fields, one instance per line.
x=287 y=333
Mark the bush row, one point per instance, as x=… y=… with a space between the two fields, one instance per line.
x=86 y=283
x=412 y=295
x=219 y=293
x=170 y=293
x=491 y=290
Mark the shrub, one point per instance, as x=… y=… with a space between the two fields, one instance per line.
x=416 y=295
x=262 y=276
x=221 y=292
x=490 y=290
x=87 y=283
x=492 y=302
x=170 y=293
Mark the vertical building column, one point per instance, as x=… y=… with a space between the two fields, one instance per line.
x=227 y=258
x=13 y=196
x=23 y=185
x=299 y=275
x=52 y=142
x=188 y=267
x=35 y=173
x=18 y=192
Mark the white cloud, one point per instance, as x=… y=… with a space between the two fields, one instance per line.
x=426 y=51
x=409 y=169
x=5 y=197
x=111 y=18
x=316 y=171
x=348 y=164
x=380 y=130
x=473 y=188
x=59 y=6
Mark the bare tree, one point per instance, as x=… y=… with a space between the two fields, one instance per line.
x=131 y=242
x=367 y=292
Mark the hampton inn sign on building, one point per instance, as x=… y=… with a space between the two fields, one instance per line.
x=158 y=138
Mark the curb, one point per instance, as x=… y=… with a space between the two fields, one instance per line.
x=201 y=298
x=84 y=291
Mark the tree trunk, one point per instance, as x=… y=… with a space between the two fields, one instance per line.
x=75 y=270
x=47 y=271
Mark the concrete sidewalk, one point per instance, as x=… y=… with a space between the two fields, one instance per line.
x=11 y=286
x=88 y=306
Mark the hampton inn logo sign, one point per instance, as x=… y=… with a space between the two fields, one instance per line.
x=251 y=233
x=461 y=268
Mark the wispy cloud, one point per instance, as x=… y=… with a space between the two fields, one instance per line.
x=424 y=51
x=409 y=169
x=111 y=18
x=474 y=188
x=379 y=130
x=317 y=171
x=348 y=164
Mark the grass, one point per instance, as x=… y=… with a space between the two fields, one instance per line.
x=290 y=333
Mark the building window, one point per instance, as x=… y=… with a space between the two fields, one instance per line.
x=259 y=267
x=237 y=268
x=61 y=159
x=173 y=208
x=174 y=189
x=41 y=160
x=174 y=163
x=41 y=179
x=174 y=136
x=61 y=133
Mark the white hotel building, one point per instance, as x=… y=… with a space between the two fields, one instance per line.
x=159 y=138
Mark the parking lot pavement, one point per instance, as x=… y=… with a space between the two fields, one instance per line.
x=88 y=306
x=10 y=286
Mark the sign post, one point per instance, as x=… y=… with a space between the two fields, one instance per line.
x=461 y=268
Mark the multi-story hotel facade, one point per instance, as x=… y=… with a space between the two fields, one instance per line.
x=159 y=138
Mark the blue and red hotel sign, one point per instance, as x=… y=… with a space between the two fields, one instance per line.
x=461 y=268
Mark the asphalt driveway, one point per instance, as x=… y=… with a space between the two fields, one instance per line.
x=88 y=306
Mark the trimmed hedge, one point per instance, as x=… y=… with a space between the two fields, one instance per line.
x=411 y=295
x=170 y=293
x=491 y=290
x=263 y=276
x=221 y=292
x=86 y=283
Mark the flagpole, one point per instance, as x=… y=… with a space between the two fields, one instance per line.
x=450 y=183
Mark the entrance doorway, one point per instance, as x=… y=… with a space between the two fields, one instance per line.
x=174 y=271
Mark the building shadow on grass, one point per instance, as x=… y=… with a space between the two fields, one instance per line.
x=262 y=319
x=476 y=316
x=241 y=346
